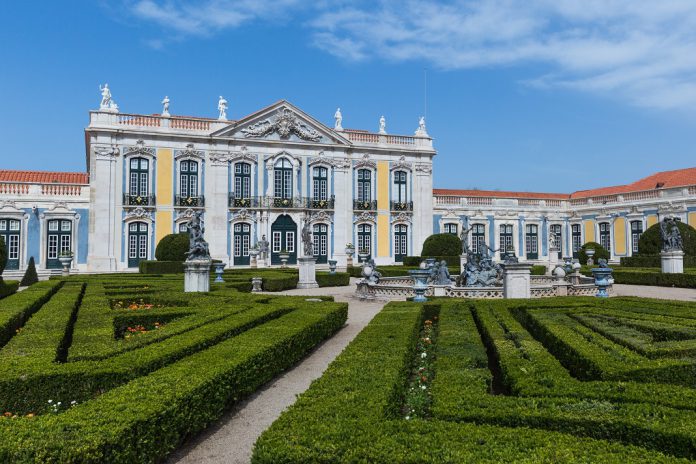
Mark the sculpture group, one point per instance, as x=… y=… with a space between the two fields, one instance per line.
x=198 y=247
x=671 y=237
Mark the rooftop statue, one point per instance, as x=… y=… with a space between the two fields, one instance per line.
x=198 y=247
x=382 y=125
x=338 y=117
x=165 y=106
x=107 y=103
x=421 y=131
x=222 y=108
x=671 y=237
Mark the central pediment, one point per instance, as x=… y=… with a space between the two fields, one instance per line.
x=282 y=121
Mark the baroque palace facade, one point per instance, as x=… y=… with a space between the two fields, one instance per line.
x=264 y=175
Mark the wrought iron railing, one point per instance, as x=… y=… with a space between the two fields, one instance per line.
x=189 y=202
x=402 y=206
x=320 y=204
x=365 y=205
x=138 y=200
x=243 y=202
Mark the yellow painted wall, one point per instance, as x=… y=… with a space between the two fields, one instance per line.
x=383 y=208
x=620 y=236
x=691 y=219
x=589 y=231
x=165 y=193
x=652 y=220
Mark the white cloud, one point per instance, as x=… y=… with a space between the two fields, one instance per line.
x=643 y=51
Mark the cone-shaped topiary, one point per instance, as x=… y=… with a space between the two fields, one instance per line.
x=172 y=247
x=30 y=276
x=600 y=252
x=442 y=245
x=650 y=242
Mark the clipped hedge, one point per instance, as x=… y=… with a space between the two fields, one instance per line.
x=18 y=308
x=538 y=269
x=656 y=278
x=650 y=242
x=8 y=287
x=339 y=279
x=652 y=261
x=600 y=252
x=172 y=247
x=414 y=261
x=442 y=245
x=161 y=267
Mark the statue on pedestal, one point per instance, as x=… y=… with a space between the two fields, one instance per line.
x=338 y=117
x=382 y=125
x=222 y=108
x=165 y=108
x=107 y=103
x=421 y=131
x=263 y=247
x=307 y=237
x=464 y=237
x=198 y=247
x=671 y=237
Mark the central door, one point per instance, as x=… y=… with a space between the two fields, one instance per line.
x=283 y=239
x=242 y=238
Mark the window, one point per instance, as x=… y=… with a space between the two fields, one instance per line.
x=576 y=236
x=283 y=179
x=188 y=178
x=320 y=242
x=365 y=239
x=242 y=239
x=532 y=241
x=451 y=229
x=137 y=243
x=400 y=242
x=555 y=230
x=636 y=232
x=182 y=228
x=9 y=234
x=605 y=235
x=400 y=187
x=506 y=242
x=139 y=182
x=59 y=240
x=478 y=237
x=242 y=180
x=320 y=184
x=276 y=242
x=290 y=241
x=364 y=185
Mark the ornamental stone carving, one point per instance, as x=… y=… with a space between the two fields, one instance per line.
x=189 y=152
x=10 y=204
x=321 y=216
x=187 y=215
x=244 y=215
x=402 y=164
x=139 y=213
x=401 y=217
x=219 y=158
x=366 y=162
x=106 y=152
x=365 y=217
x=285 y=123
x=243 y=155
x=139 y=149
x=424 y=168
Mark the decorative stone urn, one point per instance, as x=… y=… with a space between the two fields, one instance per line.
x=253 y=255
x=284 y=256
x=65 y=261
x=429 y=263
x=602 y=277
x=332 y=266
x=219 y=268
x=590 y=253
x=420 y=283
x=256 y=284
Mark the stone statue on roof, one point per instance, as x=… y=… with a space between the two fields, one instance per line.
x=222 y=108
x=338 y=117
x=107 y=103
x=165 y=106
x=382 y=125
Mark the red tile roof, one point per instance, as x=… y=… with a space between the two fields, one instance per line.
x=664 y=179
x=500 y=194
x=44 y=177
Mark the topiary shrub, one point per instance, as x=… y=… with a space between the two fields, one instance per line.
x=442 y=245
x=600 y=252
x=172 y=247
x=30 y=275
x=650 y=242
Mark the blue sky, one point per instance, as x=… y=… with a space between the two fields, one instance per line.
x=543 y=95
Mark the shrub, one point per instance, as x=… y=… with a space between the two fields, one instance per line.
x=339 y=279
x=30 y=276
x=161 y=267
x=600 y=252
x=650 y=242
x=8 y=287
x=539 y=269
x=415 y=261
x=654 y=278
x=442 y=245
x=172 y=247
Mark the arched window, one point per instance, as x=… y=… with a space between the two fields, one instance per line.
x=9 y=234
x=364 y=185
x=576 y=236
x=478 y=237
x=283 y=179
x=532 y=241
x=188 y=185
x=320 y=183
x=636 y=232
x=506 y=242
x=400 y=191
x=605 y=235
x=139 y=177
x=242 y=181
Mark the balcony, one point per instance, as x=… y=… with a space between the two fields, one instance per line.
x=401 y=206
x=250 y=202
x=321 y=204
x=365 y=205
x=138 y=200
x=189 y=202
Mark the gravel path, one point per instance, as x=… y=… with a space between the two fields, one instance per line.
x=663 y=293
x=231 y=440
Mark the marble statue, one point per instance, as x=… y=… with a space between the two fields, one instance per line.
x=263 y=247
x=198 y=247
x=165 y=106
x=464 y=237
x=307 y=237
x=552 y=242
x=439 y=274
x=370 y=272
x=421 y=131
x=222 y=108
x=480 y=270
x=338 y=117
x=671 y=237
x=107 y=103
x=382 y=125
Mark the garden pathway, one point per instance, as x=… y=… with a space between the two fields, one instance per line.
x=231 y=440
x=663 y=293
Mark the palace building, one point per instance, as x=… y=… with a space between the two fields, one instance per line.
x=265 y=174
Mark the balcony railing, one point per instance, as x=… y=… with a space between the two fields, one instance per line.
x=241 y=202
x=138 y=200
x=321 y=204
x=189 y=202
x=365 y=205
x=402 y=206
x=278 y=202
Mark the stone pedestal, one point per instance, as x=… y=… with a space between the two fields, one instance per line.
x=197 y=275
x=256 y=284
x=672 y=262
x=307 y=268
x=553 y=260
x=462 y=263
x=517 y=280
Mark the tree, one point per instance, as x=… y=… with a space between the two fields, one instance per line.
x=442 y=245
x=650 y=242
x=172 y=247
x=30 y=275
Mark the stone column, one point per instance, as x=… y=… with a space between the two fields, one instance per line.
x=672 y=262
x=216 y=207
x=105 y=216
x=517 y=280
x=422 y=223
x=307 y=269
x=343 y=211
x=197 y=275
